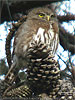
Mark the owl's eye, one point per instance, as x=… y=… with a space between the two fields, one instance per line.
x=41 y=15
x=52 y=16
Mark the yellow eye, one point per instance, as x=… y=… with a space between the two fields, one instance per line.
x=41 y=15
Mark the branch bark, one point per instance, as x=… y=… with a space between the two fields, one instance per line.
x=66 y=18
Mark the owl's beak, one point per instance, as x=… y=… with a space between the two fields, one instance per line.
x=48 y=18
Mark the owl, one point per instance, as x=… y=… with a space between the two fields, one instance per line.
x=41 y=26
x=35 y=45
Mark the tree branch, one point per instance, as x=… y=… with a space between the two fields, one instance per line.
x=66 y=18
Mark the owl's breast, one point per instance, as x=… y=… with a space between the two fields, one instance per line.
x=44 y=33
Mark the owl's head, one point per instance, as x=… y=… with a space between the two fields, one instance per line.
x=42 y=13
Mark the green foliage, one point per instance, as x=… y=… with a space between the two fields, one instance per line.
x=3 y=67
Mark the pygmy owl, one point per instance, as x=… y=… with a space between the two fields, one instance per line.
x=41 y=26
x=39 y=32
